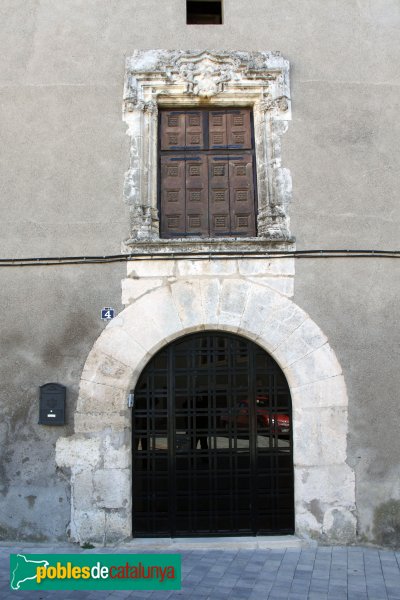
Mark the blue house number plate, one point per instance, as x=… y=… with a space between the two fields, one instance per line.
x=107 y=313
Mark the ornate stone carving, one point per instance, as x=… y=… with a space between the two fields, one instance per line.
x=205 y=73
x=207 y=78
x=150 y=106
x=268 y=103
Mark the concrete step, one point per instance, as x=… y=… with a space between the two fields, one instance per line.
x=220 y=543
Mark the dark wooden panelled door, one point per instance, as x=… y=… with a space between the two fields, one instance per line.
x=207 y=173
x=212 y=450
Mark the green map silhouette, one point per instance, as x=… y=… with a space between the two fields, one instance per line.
x=25 y=570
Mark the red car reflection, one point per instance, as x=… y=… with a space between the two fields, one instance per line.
x=278 y=423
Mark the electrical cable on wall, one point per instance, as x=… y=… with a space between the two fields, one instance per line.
x=198 y=255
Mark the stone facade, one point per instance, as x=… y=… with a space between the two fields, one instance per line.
x=168 y=297
x=65 y=158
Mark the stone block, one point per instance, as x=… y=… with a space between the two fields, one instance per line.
x=266 y=266
x=75 y=451
x=97 y=398
x=328 y=392
x=117 y=451
x=320 y=364
x=187 y=297
x=261 y=302
x=210 y=290
x=82 y=489
x=331 y=485
x=281 y=322
x=153 y=318
x=304 y=340
x=141 y=328
x=118 y=526
x=233 y=300
x=112 y=488
x=117 y=343
x=132 y=289
x=166 y=316
x=150 y=268
x=88 y=526
x=95 y=422
x=339 y=526
x=319 y=436
x=282 y=285
x=207 y=267
x=104 y=369
x=306 y=524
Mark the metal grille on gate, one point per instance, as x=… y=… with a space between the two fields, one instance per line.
x=207 y=181
x=212 y=450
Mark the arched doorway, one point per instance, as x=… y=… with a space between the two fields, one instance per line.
x=212 y=441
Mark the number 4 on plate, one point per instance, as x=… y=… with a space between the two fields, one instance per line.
x=107 y=313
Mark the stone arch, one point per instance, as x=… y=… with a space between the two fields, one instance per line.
x=99 y=453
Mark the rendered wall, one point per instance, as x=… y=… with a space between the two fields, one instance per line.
x=63 y=158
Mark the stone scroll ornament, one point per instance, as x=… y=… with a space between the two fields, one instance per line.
x=207 y=78
x=205 y=74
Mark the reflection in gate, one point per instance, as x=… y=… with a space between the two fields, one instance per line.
x=212 y=451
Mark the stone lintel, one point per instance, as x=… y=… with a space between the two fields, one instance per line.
x=181 y=247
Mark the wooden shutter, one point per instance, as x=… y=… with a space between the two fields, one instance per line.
x=194 y=130
x=241 y=192
x=172 y=130
x=207 y=179
x=217 y=130
x=238 y=129
x=219 y=206
x=172 y=195
x=196 y=195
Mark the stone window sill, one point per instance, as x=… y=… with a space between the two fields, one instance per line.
x=193 y=246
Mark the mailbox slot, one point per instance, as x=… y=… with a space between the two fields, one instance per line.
x=52 y=404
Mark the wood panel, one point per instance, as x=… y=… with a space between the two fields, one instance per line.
x=196 y=195
x=241 y=192
x=238 y=129
x=173 y=195
x=172 y=130
x=217 y=130
x=194 y=130
x=219 y=205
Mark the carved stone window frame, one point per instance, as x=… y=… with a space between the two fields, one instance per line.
x=207 y=79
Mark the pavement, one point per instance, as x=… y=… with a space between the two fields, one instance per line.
x=240 y=569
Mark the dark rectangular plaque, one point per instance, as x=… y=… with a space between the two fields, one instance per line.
x=52 y=404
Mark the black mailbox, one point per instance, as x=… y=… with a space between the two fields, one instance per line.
x=52 y=404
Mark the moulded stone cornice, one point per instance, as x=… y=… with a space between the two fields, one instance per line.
x=206 y=73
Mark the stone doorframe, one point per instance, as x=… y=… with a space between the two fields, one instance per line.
x=99 y=455
x=206 y=79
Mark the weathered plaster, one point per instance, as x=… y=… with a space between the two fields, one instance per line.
x=177 y=298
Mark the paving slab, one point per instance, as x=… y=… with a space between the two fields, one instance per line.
x=226 y=569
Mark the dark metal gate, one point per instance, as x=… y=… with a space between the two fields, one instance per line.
x=212 y=450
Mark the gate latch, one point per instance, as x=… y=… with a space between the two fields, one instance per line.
x=131 y=400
